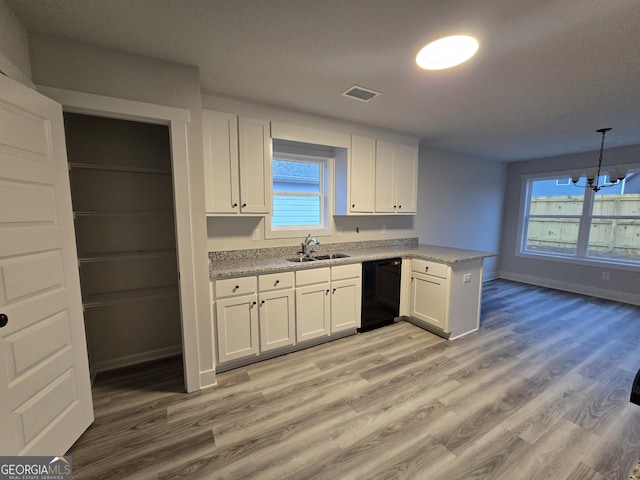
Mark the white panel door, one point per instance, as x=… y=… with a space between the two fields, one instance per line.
x=45 y=391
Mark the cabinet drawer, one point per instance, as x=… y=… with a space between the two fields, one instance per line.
x=431 y=268
x=230 y=287
x=346 y=271
x=309 y=277
x=275 y=281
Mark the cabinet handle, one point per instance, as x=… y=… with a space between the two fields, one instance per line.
x=234 y=205
x=4 y=319
x=277 y=282
x=353 y=206
x=334 y=290
x=399 y=206
x=327 y=291
x=395 y=206
x=244 y=205
x=254 y=303
x=426 y=269
x=262 y=302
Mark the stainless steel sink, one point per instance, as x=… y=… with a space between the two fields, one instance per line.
x=331 y=256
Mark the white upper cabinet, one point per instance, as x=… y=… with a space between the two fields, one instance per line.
x=220 y=133
x=254 y=140
x=396 y=178
x=237 y=161
x=379 y=177
x=361 y=173
x=386 y=176
x=406 y=179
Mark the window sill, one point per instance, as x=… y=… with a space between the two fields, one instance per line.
x=587 y=262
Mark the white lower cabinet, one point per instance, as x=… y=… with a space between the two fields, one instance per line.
x=277 y=319
x=253 y=315
x=237 y=327
x=446 y=298
x=428 y=294
x=259 y=314
x=313 y=303
x=346 y=297
x=328 y=300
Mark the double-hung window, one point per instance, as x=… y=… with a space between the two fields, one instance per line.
x=300 y=193
x=566 y=222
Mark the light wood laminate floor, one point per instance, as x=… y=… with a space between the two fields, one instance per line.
x=540 y=392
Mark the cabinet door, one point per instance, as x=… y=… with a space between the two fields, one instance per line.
x=407 y=179
x=255 y=165
x=220 y=132
x=313 y=311
x=386 y=160
x=346 y=304
x=362 y=166
x=237 y=327
x=277 y=320
x=428 y=299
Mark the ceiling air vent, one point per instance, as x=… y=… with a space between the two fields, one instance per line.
x=360 y=93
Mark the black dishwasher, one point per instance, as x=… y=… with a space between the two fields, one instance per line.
x=380 y=293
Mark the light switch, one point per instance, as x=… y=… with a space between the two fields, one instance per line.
x=466 y=278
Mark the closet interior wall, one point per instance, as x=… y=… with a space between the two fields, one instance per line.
x=122 y=194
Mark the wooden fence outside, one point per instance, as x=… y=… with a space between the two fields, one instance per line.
x=618 y=238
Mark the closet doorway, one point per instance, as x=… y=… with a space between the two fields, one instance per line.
x=122 y=194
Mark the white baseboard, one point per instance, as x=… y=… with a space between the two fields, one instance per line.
x=208 y=379
x=572 y=287
x=488 y=275
x=128 y=360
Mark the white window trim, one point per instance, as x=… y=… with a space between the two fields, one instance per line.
x=581 y=257
x=328 y=227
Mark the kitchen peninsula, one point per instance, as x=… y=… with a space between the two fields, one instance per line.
x=264 y=304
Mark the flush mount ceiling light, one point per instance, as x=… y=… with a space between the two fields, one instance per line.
x=447 y=52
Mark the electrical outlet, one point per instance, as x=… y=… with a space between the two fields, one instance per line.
x=466 y=278
x=383 y=229
x=605 y=276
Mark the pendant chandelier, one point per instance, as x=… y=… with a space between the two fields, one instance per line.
x=616 y=175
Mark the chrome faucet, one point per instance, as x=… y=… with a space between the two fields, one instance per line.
x=306 y=246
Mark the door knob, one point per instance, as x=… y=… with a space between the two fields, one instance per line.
x=3 y=320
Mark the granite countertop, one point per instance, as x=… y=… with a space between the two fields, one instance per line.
x=256 y=261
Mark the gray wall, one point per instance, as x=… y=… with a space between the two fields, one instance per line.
x=61 y=63
x=460 y=202
x=624 y=284
x=14 y=45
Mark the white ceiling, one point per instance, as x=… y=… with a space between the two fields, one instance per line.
x=547 y=75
